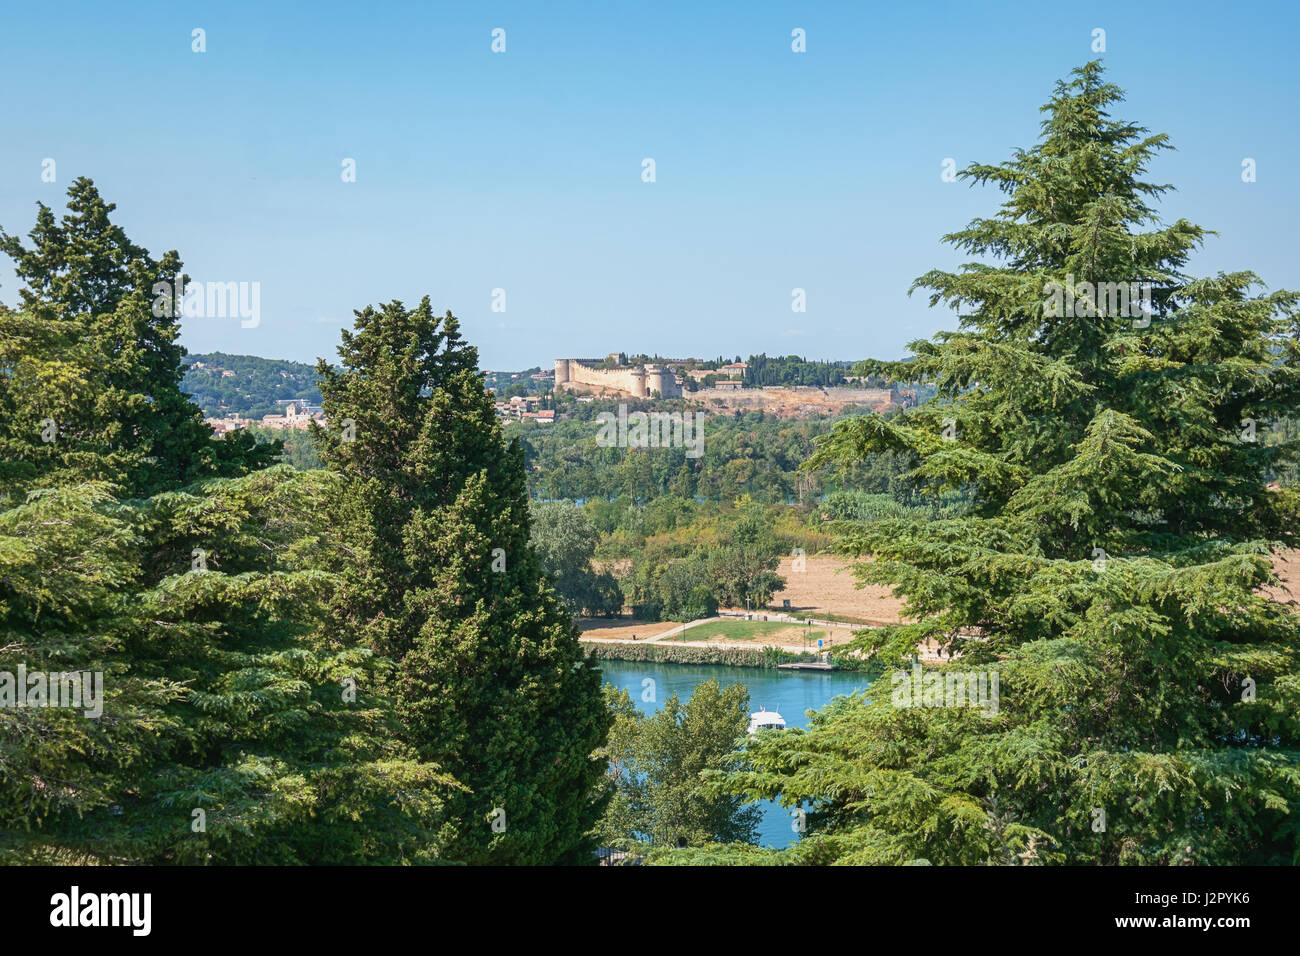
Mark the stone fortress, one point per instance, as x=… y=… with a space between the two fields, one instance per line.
x=612 y=375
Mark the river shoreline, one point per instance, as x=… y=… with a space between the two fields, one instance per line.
x=765 y=658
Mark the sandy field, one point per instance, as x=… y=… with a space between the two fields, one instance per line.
x=826 y=587
x=823 y=588
x=622 y=629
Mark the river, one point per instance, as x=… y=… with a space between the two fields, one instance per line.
x=792 y=693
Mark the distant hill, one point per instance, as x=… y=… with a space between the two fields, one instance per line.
x=222 y=384
x=251 y=386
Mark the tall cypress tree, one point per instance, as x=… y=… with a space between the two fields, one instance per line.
x=1109 y=564
x=490 y=680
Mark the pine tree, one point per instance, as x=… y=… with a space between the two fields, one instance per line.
x=287 y=749
x=66 y=555
x=232 y=731
x=1108 y=566
x=50 y=431
x=490 y=680
x=233 y=728
x=94 y=289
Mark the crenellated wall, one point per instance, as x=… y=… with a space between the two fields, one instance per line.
x=638 y=381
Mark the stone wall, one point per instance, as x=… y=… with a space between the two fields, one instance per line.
x=638 y=381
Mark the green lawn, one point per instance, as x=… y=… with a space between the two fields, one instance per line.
x=745 y=631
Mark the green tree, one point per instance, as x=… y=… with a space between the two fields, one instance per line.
x=51 y=430
x=200 y=608
x=1108 y=566
x=65 y=556
x=659 y=769
x=743 y=572
x=490 y=680
x=227 y=733
x=96 y=291
x=564 y=538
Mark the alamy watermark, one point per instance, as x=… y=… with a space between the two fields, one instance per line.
x=75 y=909
x=1124 y=300
x=77 y=690
x=652 y=430
x=935 y=688
x=212 y=300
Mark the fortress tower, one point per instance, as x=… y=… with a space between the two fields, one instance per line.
x=661 y=381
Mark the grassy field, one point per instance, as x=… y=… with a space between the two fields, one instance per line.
x=763 y=633
x=738 y=630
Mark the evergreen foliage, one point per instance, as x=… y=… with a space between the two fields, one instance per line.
x=1109 y=565
x=90 y=353
x=226 y=731
x=490 y=679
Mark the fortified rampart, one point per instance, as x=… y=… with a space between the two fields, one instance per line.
x=639 y=381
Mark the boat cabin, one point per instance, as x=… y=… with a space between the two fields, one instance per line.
x=765 y=720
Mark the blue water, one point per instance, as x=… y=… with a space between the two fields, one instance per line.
x=792 y=693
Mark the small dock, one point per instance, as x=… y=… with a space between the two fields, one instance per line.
x=807 y=666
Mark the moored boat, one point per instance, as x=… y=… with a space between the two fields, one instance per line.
x=765 y=719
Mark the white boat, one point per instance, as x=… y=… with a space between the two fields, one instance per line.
x=765 y=720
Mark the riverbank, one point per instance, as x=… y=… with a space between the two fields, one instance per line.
x=729 y=655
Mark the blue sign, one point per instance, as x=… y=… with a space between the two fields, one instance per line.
x=819 y=642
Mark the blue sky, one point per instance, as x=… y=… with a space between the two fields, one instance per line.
x=522 y=170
